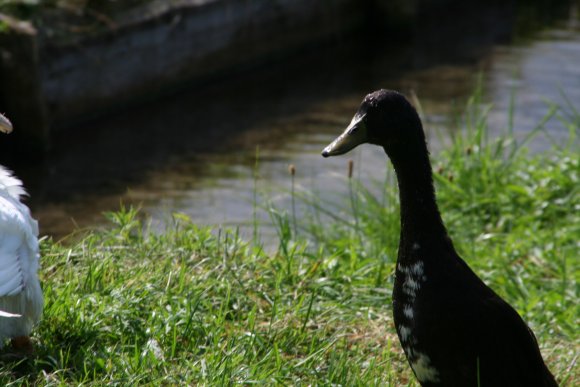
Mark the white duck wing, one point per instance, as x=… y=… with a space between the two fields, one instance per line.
x=20 y=292
x=18 y=251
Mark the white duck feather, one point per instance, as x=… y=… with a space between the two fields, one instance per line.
x=21 y=300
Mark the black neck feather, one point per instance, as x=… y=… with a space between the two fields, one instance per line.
x=420 y=218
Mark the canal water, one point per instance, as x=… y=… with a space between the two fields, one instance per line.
x=216 y=152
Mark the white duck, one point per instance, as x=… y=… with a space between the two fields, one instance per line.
x=21 y=300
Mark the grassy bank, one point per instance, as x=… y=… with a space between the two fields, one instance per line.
x=201 y=306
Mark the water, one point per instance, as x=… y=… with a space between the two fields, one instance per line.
x=195 y=152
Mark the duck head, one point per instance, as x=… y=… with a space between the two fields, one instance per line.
x=5 y=124
x=385 y=118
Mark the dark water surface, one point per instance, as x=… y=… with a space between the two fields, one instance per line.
x=195 y=152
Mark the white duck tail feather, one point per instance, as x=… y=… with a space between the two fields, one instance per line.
x=11 y=184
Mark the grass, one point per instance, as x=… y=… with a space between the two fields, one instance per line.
x=196 y=306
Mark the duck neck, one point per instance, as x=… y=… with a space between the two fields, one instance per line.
x=421 y=223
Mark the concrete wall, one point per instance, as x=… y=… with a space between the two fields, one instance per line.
x=157 y=50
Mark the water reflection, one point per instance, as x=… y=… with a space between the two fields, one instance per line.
x=195 y=152
x=540 y=72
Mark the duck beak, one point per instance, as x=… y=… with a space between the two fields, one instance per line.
x=9 y=315
x=354 y=135
x=5 y=125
